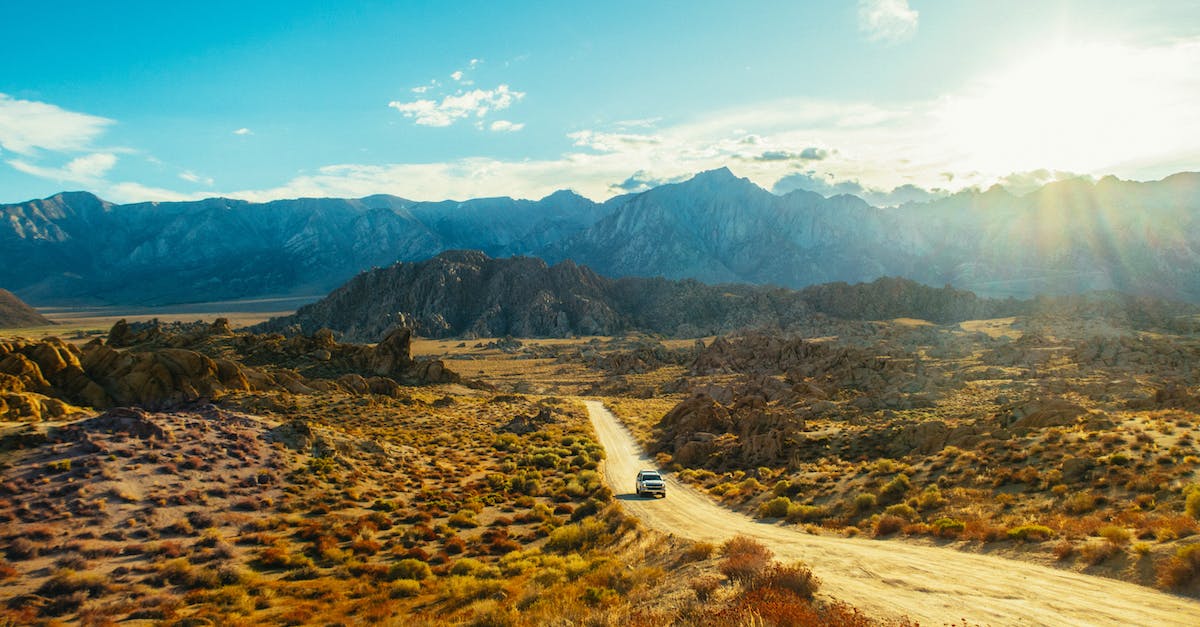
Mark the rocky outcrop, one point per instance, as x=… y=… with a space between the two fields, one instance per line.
x=754 y=429
x=467 y=293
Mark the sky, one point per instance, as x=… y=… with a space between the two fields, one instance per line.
x=893 y=100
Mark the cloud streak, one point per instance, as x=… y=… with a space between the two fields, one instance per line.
x=88 y=169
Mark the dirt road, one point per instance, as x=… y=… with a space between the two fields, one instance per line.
x=888 y=578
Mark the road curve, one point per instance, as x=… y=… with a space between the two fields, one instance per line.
x=932 y=585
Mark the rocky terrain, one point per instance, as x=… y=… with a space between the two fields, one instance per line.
x=190 y=473
x=53 y=379
x=470 y=294
x=15 y=313
x=1061 y=438
x=1068 y=237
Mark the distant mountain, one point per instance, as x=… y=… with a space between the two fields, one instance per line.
x=76 y=247
x=15 y=313
x=1068 y=237
x=717 y=227
x=468 y=293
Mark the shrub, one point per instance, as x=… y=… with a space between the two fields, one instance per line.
x=796 y=578
x=806 y=513
x=409 y=568
x=1180 y=570
x=464 y=519
x=864 y=501
x=903 y=510
x=465 y=566
x=887 y=525
x=1035 y=533
x=931 y=498
x=66 y=582
x=1095 y=553
x=895 y=489
x=576 y=536
x=1080 y=503
x=1063 y=550
x=22 y=549
x=775 y=508
x=1191 y=503
x=1117 y=535
x=745 y=559
x=699 y=551
x=405 y=588
x=948 y=526
x=704 y=587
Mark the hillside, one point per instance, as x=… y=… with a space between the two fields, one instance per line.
x=469 y=293
x=15 y=313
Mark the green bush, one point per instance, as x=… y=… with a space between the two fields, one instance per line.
x=947 y=526
x=405 y=588
x=895 y=489
x=902 y=510
x=409 y=568
x=576 y=536
x=806 y=513
x=864 y=501
x=1191 y=503
x=775 y=508
x=1035 y=533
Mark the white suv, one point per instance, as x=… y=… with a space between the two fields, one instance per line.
x=651 y=482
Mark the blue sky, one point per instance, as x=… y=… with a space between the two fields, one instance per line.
x=431 y=100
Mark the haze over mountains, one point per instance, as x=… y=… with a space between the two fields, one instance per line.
x=1068 y=237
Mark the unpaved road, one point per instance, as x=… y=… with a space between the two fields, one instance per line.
x=886 y=578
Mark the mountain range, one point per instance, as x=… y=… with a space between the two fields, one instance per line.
x=1067 y=237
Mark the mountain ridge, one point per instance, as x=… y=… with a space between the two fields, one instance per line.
x=1066 y=237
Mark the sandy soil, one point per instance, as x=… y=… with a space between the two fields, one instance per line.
x=932 y=585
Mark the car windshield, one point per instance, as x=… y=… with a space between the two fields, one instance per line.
x=650 y=476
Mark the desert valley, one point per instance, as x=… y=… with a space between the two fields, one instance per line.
x=618 y=314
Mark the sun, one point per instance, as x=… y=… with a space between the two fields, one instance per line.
x=1078 y=108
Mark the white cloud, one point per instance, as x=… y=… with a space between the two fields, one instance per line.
x=506 y=126
x=474 y=62
x=888 y=21
x=27 y=126
x=613 y=142
x=477 y=102
x=192 y=177
x=88 y=169
x=243 y=131
x=457 y=75
x=129 y=192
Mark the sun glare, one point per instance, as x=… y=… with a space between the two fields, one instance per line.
x=1078 y=108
